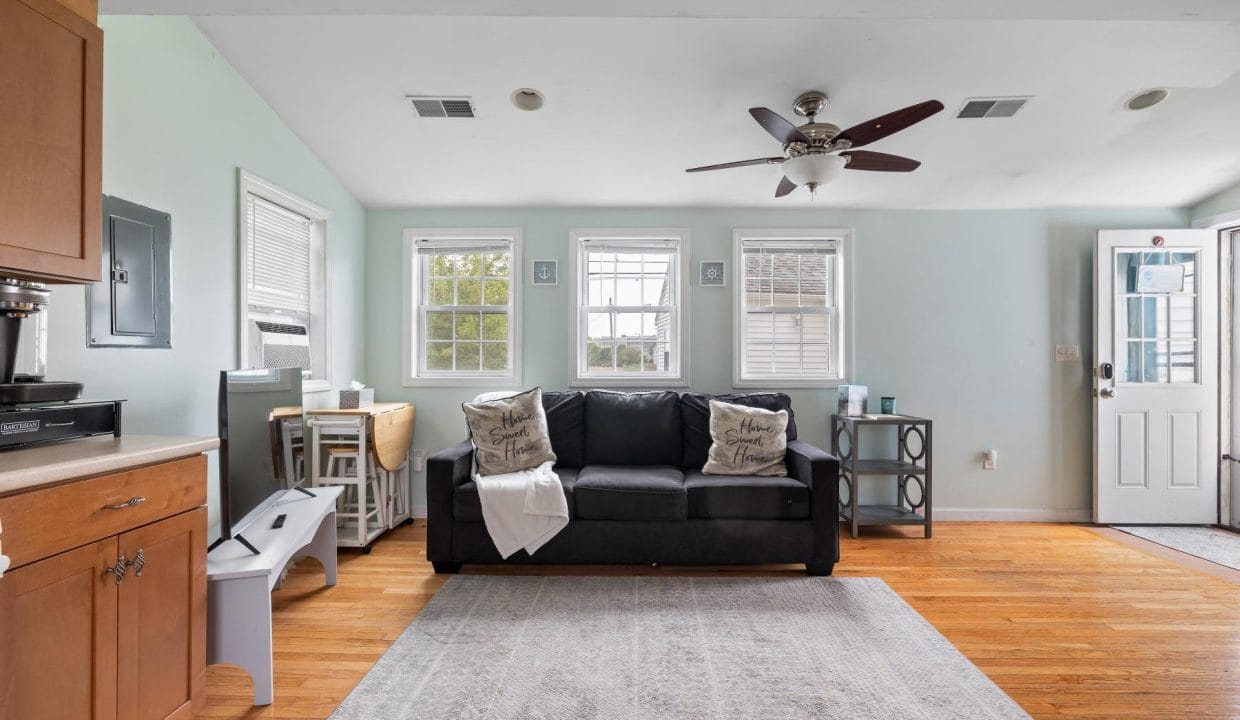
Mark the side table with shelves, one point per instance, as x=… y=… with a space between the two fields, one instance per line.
x=910 y=466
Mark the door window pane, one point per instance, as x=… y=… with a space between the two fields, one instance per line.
x=1183 y=362
x=1182 y=319
x=1132 y=363
x=1155 y=362
x=1154 y=317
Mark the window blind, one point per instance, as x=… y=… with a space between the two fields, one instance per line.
x=636 y=245
x=468 y=246
x=279 y=257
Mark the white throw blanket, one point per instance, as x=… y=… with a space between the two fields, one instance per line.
x=523 y=509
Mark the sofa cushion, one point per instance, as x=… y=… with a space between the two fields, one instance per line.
x=695 y=420
x=466 y=507
x=566 y=424
x=632 y=428
x=615 y=492
x=746 y=497
x=509 y=434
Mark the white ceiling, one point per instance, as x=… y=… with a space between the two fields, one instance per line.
x=632 y=101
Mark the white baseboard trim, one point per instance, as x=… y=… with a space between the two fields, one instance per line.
x=419 y=512
x=1012 y=515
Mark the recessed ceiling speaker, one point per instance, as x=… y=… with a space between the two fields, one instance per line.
x=1147 y=99
x=527 y=99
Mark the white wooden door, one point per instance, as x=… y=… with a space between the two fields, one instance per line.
x=1156 y=377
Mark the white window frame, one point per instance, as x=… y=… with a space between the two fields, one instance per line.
x=577 y=331
x=842 y=340
x=414 y=340
x=320 y=277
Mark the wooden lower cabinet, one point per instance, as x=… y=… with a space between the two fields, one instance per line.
x=76 y=644
x=161 y=657
x=60 y=658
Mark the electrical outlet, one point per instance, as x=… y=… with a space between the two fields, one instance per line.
x=1067 y=353
x=419 y=460
x=989 y=459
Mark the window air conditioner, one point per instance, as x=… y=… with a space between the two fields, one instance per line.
x=279 y=344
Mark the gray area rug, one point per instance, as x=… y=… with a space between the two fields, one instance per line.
x=642 y=647
x=1208 y=543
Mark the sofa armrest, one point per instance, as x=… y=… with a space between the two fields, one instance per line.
x=445 y=471
x=821 y=471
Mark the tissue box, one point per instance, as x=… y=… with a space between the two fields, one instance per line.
x=354 y=399
x=853 y=399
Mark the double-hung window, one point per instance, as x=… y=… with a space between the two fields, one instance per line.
x=462 y=300
x=283 y=245
x=629 y=324
x=789 y=314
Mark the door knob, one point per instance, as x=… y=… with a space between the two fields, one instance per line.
x=1107 y=392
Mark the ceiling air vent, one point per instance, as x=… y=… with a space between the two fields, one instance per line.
x=442 y=107
x=999 y=107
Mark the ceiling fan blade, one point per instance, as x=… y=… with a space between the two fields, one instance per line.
x=785 y=186
x=882 y=162
x=889 y=124
x=779 y=128
x=739 y=163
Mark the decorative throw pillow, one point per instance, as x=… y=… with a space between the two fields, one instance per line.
x=746 y=440
x=509 y=434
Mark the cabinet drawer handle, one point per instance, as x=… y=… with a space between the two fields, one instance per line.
x=118 y=570
x=68 y=423
x=138 y=563
x=131 y=502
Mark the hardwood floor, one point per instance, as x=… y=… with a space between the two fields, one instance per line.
x=1071 y=624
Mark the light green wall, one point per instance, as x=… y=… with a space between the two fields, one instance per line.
x=957 y=315
x=177 y=123
x=1224 y=201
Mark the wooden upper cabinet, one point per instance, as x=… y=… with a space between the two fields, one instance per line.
x=51 y=86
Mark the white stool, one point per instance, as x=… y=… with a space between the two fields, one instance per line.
x=398 y=509
x=293 y=449
x=349 y=463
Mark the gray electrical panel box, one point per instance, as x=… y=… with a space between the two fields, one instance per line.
x=132 y=306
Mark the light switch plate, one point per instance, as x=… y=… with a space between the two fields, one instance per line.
x=1067 y=353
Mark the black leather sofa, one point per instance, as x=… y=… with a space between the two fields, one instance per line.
x=631 y=466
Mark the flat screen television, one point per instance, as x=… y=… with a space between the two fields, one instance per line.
x=250 y=480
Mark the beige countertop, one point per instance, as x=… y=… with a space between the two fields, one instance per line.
x=57 y=462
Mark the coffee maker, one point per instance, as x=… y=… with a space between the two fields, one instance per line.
x=19 y=300
x=33 y=410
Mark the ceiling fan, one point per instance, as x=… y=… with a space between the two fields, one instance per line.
x=816 y=152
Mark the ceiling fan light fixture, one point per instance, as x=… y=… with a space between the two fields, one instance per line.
x=815 y=170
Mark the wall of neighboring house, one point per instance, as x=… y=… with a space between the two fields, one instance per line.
x=957 y=315
x=178 y=122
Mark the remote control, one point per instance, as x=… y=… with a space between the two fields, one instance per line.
x=279 y=523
